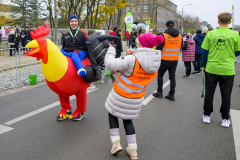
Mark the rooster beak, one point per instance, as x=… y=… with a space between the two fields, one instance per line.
x=35 y=47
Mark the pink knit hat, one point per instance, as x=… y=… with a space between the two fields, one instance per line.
x=149 y=40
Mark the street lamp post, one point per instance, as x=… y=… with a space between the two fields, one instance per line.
x=55 y=19
x=178 y=23
x=182 y=15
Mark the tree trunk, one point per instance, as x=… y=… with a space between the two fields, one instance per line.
x=95 y=21
x=119 y=17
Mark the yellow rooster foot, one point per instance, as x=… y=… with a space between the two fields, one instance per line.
x=63 y=115
x=69 y=115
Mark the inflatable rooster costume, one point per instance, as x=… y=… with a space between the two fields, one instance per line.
x=61 y=74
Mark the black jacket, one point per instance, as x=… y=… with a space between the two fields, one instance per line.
x=118 y=43
x=17 y=31
x=12 y=38
x=29 y=37
x=198 y=41
x=172 y=32
x=133 y=42
x=18 y=38
x=82 y=43
x=23 y=35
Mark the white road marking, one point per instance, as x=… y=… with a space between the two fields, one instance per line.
x=41 y=110
x=235 y=116
x=149 y=98
x=4 y=129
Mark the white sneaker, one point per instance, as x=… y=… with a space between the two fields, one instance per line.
x=226 y=123
x=206 y=119
x=92 y=86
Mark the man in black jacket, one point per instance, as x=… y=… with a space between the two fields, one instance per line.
x=27 y=36
x=169 y=60
x=31 y=30
x=23 y=35
x=18 y=39
x=118 y=42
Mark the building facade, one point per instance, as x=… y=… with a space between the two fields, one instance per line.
x=158 y=11
x=204 y=24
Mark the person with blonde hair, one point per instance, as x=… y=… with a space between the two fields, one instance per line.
x=204 y=30
x=220 y=48
x=188 y=55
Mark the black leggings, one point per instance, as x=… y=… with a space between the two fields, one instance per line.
x=128 y=125
x=17 y=46
x=188 y=68
x=11 y=50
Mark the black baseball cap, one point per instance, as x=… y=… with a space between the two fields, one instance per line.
x=170 y=23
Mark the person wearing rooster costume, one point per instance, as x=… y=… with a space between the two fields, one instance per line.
x=77 y=46
x=60 y=71
x=126 y=98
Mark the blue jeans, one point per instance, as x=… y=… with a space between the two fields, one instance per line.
x=127 y=42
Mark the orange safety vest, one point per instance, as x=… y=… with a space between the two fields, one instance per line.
x=135 y=85
x=172 y=46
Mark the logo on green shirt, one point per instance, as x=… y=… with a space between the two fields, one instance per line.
x=221 y=43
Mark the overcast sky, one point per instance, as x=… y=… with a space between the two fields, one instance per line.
x=208 y=10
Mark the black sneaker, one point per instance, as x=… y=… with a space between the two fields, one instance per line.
x=158 y=94
x=79 y=117
x=194 y=72
x=170 y=97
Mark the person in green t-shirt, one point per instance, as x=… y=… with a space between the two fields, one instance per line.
x=220 y=48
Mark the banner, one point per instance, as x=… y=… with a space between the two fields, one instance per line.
x=233 y=17
x=147 y=26
x=129 y=21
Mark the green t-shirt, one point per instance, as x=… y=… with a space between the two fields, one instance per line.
x=222 y=44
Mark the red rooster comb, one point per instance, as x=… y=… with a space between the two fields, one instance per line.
x=40 y=31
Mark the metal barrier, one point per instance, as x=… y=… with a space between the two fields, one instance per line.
x=15 y=69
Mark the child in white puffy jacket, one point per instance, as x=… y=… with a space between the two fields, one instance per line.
x=126 y=97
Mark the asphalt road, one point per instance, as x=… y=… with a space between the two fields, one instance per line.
x=165 y=130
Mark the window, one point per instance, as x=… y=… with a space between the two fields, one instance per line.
x=145 y=8
x=127 y=9
x=133 y=9
x=116 y=11
x=144 y=17
x=139 y=18
x=139 y=8
x=145 y=0
x=116 y=19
